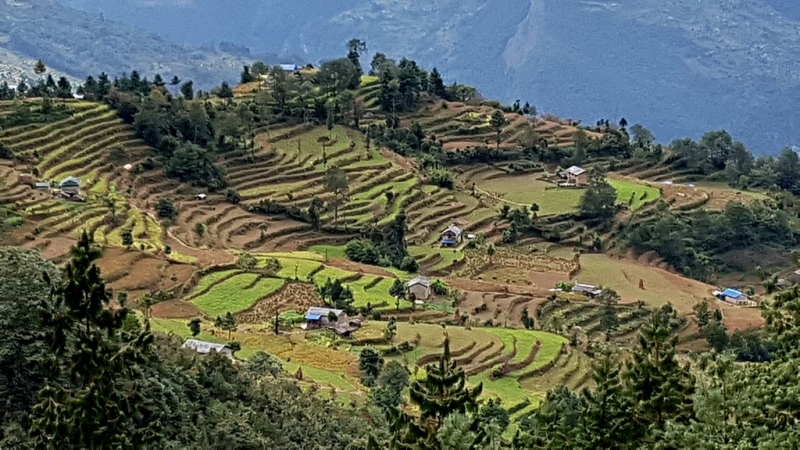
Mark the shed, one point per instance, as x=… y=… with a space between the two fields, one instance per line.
x=734 y=296
x=200 y=197
x=42 y=185
x=70 y=185
x=419 y=286
x=204 y=347
x=576 y=175
x=289 y=67
x=586 y=289
x=452 y=235
x=320 y=317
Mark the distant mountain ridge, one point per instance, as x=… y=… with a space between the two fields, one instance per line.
x=681 y=67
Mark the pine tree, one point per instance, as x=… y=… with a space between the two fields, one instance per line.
x=391 y=330
x=194 y=326
x=91 y=399
x=497 y=122
x=607 y=421
x=443 y=392
x=660 y=388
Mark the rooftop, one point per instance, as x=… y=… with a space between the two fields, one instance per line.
x=424 y=281
x=70 y=180
x=202 y=346
x=452 y=229
x=289 y=67
x=315 y=313
x=575 y=170
x=733 y=293
x=586 y=288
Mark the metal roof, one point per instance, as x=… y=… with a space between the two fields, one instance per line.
x=424 y=281
x=310 y=316
x=289 y=67
x=452 y=229
x=575 y=170
x=70 y=179
x=323 y=312
x=733 y=293
x=586 y=288
x=202 y=346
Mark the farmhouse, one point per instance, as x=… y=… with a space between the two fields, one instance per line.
x=205 y=348
x=586 y=289
x=346 y=325
x=70 y=185
x=321 y=317
x=420 y=286
x=452 y=235
x=733 y=296
x=576 y=176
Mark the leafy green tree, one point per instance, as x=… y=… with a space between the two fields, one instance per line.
x=598 y=201
x=642 y=135
x=127 y=238
x=224 y=90
x=387 y=392
x=227 y=323
x=337 y=184
x=338 y=75
x=166 y=208
x=194 y=326
x=91 y=361
x=497 y=122
x=39 y=68
x=490 y=251
x=273 y=266
x=370 y=363
x=262 y=364
x=247 y=261
x=398 y=289
x=314 y=214
x=527 y=321
x=336 y=295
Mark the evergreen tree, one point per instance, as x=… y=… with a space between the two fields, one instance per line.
x=497 y=122
x=187 y=89
x=607 y=420
x=370 y=363
x=225 y=90
x=194 y=326
x=91 y=399
x=609 y=320
x=391 y=330
x=398 y=289
x=355 y=48
x=436 y=84
x=659 y=387
x=443 y=392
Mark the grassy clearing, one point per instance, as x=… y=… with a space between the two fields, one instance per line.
x=449 y=256
x=723 y=187
x=626 y=189
x=332 y=251
x=231 y=295
x=527 y=190
x=660 y=286
x=211 y=279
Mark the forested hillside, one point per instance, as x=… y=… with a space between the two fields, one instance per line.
x=681 y=66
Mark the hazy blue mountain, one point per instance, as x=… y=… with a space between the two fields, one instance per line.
x=681 y=67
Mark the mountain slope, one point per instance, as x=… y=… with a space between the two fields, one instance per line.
x=681 y=67
x=79 y=44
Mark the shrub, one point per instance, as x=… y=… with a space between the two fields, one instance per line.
x=363 y=251
x=409 y=264
x=439 y=287
x=166 y=208
x=5 y=152
x=441 y=177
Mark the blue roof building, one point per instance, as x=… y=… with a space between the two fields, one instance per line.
x=733 y=293
x=289 y=67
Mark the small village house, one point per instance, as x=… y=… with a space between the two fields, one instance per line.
x=732 y=296
x=317 y=318
x=204 y=348
x=419 y=286
x=70 y=185
x=576 y=176
x=200 y=197
x=452 y=235
x=586 y=289
x=345 y=325
x=42 y=185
